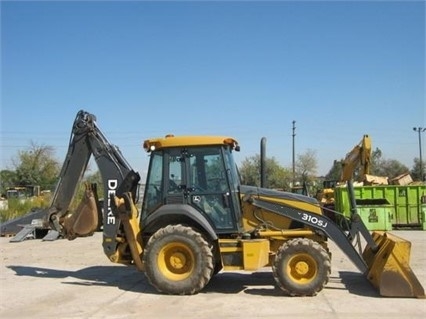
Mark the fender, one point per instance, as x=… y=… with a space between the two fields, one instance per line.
x=176 y=213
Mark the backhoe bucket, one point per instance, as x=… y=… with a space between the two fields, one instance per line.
x=388 y=267
x=84 y=221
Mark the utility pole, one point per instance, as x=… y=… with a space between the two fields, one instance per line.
x=294 y=163
x=420 y=130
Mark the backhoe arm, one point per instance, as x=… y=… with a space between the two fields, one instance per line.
x=72 y=172
x=117 y=177
x=360 y=155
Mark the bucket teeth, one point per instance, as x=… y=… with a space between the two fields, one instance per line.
x=389 y=269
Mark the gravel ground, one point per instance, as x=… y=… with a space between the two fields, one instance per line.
x=74 y=279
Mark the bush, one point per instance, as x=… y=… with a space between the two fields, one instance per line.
x=18 y=207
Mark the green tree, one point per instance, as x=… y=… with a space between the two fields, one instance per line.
x=335 y=171
x=7 y=179
x=375 y=161
x=389 y=168
x=276 y=176
x=37 y=166
x=416 y=171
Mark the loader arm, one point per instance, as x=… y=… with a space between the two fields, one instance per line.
x=320 y=223
x=117 y=178
x=384 y=260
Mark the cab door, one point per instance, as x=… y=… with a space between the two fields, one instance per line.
x=208 y=186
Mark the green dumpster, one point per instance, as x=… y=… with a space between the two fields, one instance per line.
x=377 y=214
x=407 y=202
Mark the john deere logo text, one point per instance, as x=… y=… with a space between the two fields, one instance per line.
x=112 y=186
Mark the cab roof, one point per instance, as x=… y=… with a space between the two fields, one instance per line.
x=189 y=140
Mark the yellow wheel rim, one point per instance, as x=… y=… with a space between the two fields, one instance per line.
x=302 y=268
x=176 y=261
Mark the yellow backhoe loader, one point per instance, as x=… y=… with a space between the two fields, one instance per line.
x=196 y=219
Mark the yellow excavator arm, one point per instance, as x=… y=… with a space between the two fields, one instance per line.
x=360 y=156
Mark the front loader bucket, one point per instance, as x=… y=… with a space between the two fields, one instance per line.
x=388 y=267
x=84 y=221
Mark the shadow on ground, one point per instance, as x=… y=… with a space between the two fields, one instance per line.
x=129 y=279
x=357 y=284
x=122 y=277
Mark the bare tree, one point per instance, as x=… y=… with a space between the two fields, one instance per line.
x=306 y=166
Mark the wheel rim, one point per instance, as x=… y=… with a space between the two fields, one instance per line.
x=302 y=268
x=176 y=261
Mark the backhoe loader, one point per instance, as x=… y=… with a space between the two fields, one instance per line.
x=196 y=220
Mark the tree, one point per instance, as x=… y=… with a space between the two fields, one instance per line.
x=334 y=172
x=276 y=176
x=306 y=167
x=375 y=160
x=250 y=170
x=388 y=167
x=36 y=166
x=416 y=171
x=7 y=179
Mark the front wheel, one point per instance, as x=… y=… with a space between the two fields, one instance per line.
x=178 y=260
x=302 y=267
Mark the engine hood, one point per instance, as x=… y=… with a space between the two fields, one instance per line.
x=259 y=191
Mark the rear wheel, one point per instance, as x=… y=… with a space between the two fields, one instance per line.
x=178 y=260
x=302 y=267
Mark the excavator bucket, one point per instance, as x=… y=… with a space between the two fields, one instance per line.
x=84 y=221
x=388 y=267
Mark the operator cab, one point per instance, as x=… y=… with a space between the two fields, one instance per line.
x=203 y=176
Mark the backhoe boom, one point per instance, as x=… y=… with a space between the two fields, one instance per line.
x=117 y=175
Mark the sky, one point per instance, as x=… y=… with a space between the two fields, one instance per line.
x=339 y=69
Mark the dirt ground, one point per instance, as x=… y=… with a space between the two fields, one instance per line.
x=74 y=279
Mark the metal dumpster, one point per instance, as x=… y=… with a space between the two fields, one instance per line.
x=376 y=214
x=407 y=202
